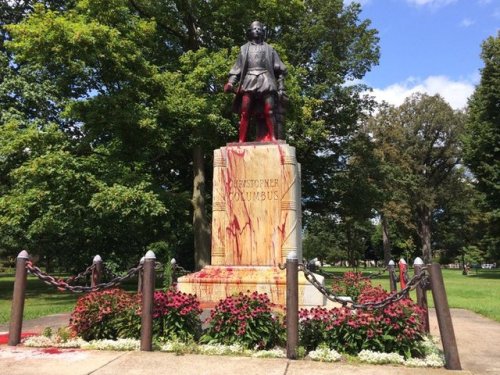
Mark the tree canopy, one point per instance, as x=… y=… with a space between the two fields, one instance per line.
x=110 y=112
x=482 y=139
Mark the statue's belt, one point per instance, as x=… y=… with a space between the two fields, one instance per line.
x=256 y=72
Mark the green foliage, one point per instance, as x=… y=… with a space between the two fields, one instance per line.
x=352 y=284
x=94 y=313
x=176 y=316
x=246 y=320
x=113 y=313
x=481 y=140
x=418 y=145
x=395 y=328
x=121 y=93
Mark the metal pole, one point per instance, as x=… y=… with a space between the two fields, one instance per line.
x=292 y=305
x=97 y=271
x=148 y=288
x=140 y=277
x=444 y=319
x=392 y=276
x=418 y=264
x=17 y=309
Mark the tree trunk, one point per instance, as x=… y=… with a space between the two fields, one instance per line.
x=424 y=232
x=386 y=241
x=201 y=227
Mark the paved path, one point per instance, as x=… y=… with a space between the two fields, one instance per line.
x=478 y=341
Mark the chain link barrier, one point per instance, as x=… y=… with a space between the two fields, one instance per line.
x=179 y=270
x=63 y=285
x=82 y=275
x=421 y=278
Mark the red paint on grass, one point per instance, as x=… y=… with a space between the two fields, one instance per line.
x=4 y=337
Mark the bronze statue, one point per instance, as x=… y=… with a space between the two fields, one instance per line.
x=261 y=91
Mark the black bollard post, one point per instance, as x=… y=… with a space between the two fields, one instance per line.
x=292 y=305
x=17 y=309
x=444 y=319
x=148 y=288
x=418 y=264
x=392 y=276
x=97 y=271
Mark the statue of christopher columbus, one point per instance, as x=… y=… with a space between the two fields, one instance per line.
x=260 y=74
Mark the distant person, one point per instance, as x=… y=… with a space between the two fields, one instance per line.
x=465 y=270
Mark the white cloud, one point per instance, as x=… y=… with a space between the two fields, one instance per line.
x=466 y=22
x=431 y=3
x=455 y=93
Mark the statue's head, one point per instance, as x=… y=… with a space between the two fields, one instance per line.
x=256 y=31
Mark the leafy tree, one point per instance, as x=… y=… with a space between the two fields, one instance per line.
x=393 y=170
x=481 y=150
x=460 y=222
x=60 y=203
x=421 y=139
x=135 y=88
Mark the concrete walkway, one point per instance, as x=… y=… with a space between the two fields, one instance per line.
x=478 y=342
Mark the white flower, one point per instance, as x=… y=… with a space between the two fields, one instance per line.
x=325 y=355
x=273 y=353
x=369 y=356
x=38 y=341
x=119 y=344
x=432 y=360
x=219 y=349
x=52 y=342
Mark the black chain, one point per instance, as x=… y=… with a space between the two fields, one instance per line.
x=159 y=267
x=179 y=270
x=63 y=285
x=368 y=305
x=81 y=275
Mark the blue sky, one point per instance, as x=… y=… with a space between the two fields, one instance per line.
x=429 y=46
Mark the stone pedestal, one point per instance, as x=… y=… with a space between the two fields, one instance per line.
x=256 y=222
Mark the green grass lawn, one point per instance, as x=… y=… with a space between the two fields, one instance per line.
x=478 y=292
x=41 y=299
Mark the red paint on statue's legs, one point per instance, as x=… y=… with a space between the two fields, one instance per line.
x=269 y=117
x=245 y=117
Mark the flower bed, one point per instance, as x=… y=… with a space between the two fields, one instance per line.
x=248 y=324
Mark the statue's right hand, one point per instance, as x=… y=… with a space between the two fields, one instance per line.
x=228 y=87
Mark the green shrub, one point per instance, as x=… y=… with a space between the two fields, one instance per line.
x=115 y=314
x=95 y=312
x=176 y=315
x=351 y=285
x=246 y=320
x=394 y=328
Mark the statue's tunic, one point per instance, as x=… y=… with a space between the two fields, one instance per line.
x=257 y=67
